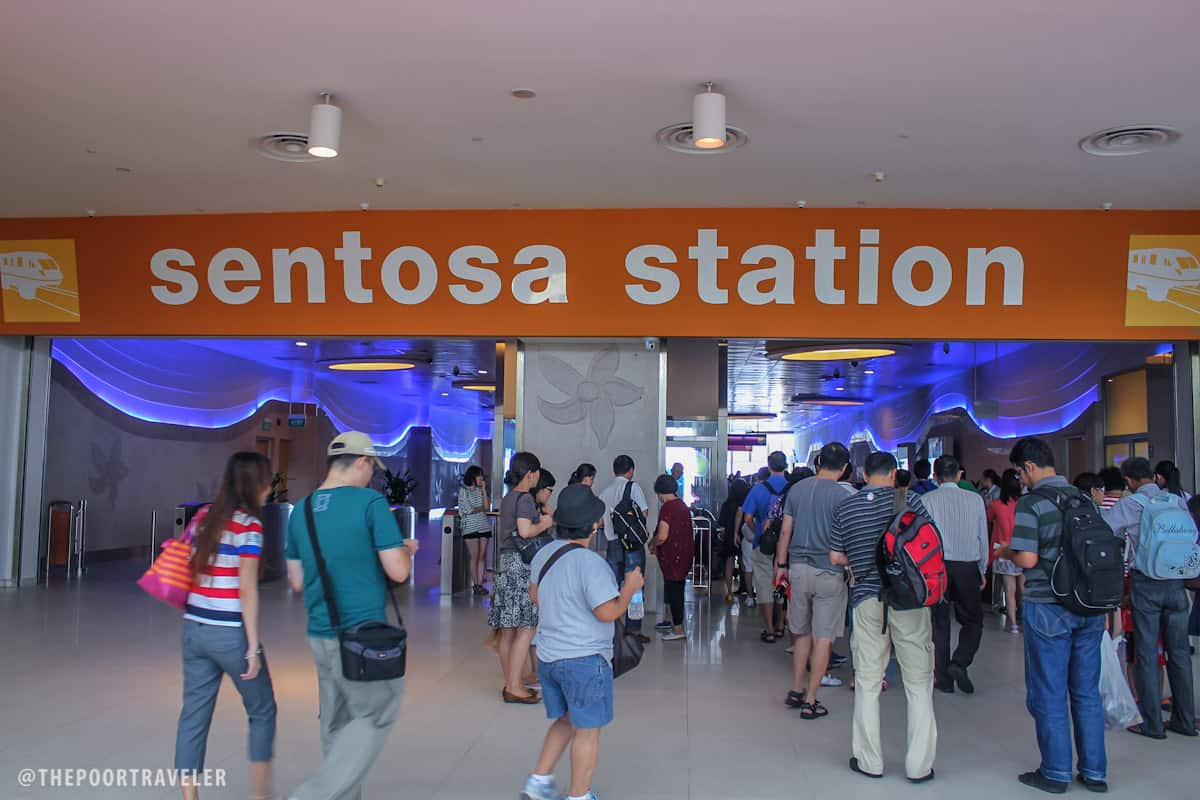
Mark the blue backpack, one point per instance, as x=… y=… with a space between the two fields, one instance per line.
x=1167 y=548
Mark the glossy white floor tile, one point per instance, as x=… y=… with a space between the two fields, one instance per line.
x=89 y=677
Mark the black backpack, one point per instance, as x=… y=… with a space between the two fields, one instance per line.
x=768 y=542
x=629 y=526
x=1089 y=576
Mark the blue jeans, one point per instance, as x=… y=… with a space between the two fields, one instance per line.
x=622 y=561
x=1059 y=643
x=1160 y=608
x=211 y=652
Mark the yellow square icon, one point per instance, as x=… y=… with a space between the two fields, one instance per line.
x=39 y=279
x=1163 y=281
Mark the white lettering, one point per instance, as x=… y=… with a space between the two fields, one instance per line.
x=220 y=275
x=978 y=261
x=352 y=254
x=706 y=253
x=461 y=267
x=782 y=275
x=554 y=273
x=902 y=275
x=282 y=261
x=427 y=275
x=160 y=267
x=868 y=267
x=823 y=254
x=637 y=265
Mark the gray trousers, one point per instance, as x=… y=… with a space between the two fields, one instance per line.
x=209 y=653
x=356 y=717
x=1160 y=608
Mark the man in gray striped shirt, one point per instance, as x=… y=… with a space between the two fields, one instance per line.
x=962 y=521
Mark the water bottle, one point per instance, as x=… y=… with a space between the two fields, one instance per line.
x=637 y=606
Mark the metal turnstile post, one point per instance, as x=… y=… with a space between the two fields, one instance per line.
x=702 y=530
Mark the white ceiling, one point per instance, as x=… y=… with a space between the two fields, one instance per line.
x=992 y=98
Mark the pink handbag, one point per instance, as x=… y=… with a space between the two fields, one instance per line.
x=169 y=578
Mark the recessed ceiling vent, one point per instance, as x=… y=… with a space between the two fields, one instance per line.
x=1129 y=140
x=679 y=139
x=284 y=146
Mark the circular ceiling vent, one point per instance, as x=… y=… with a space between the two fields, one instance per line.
x=284 y=146
x=679 y=139
x=1129 y=140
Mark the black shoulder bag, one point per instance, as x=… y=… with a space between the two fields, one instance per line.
x=528 y=548
x=627 y=648
x=372 y=651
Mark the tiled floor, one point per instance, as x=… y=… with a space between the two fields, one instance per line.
x=89 y=677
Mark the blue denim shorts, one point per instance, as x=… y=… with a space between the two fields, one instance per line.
x=581 y=687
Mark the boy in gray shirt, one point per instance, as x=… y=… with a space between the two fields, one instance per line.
x=578 y=601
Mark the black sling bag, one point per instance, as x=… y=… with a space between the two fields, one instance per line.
x=372 y=651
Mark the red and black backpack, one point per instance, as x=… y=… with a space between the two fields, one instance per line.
x=911 y=564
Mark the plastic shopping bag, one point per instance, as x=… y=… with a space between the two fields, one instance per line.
x=1120 y=709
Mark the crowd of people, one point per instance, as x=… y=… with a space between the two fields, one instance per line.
x=806 y=547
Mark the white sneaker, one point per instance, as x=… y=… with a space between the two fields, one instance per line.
x=674 y=637
x=536 y=790
x=791 y=648
x=830 y=680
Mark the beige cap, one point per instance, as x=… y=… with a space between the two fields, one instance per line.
x=354 y=443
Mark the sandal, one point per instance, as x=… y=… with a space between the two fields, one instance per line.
x=769 y=638
x=794 y=700
x=813 y=710
x=1140 y=731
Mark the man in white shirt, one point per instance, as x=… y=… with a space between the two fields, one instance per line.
x=621 y=560
x=962 y=521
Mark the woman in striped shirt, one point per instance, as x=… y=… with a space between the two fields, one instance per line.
x=220 y=633
x=473 y=505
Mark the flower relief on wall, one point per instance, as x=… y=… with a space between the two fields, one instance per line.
x=594 y=397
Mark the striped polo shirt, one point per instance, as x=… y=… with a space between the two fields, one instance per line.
x=858 y=522
x=1037 y=528
x=215 y=598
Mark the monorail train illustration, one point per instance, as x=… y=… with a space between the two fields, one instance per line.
x=1158 y=270
x=27 y=271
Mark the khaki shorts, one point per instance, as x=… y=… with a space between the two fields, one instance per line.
x=818 y=602
x=764 y=576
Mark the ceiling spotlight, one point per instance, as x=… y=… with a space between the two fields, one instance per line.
x=380 y=365
x=839 y=388
x=832 y=351
x=445 y=394
x=91 y=212
x=801 y=204
x=708 y=119
x=879 y=177
x=482 y=371
x=1106 y=206
x=325 y=128
x=868 y=372
x=819 y=400
x=301 y=344
x=523 y=94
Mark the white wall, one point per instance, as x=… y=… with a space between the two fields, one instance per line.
x=563 y=414
x=126 y=467
x=556 y=373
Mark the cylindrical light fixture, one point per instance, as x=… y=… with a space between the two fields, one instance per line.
x=708 y=119
x=324 y=129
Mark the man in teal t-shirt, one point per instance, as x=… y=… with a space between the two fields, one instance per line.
x=362 y=548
